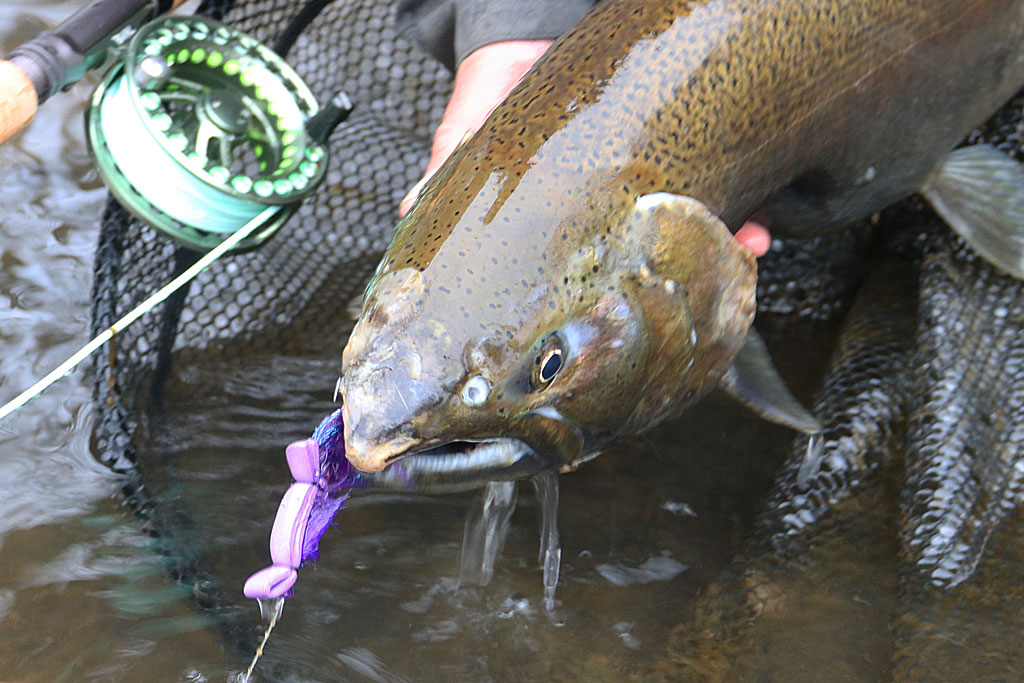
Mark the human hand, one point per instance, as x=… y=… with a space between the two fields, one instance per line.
x=755 y=237
x=483 y=79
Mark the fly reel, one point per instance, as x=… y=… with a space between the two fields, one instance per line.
x=200 y=128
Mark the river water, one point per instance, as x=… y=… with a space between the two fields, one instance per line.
x=85 y=592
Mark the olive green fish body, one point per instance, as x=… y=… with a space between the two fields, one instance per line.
x=565 y=279
x=730 y=101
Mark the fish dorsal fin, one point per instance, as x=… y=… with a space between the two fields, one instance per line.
x=979 y=192
x=753 y=381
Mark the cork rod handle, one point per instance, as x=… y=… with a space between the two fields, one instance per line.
x=18 y=100
x=18 y=97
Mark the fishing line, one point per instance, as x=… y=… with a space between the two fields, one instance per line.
x=137 y=312
x=271 y=611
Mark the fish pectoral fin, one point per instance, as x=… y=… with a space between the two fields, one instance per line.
x=979 y=192
x=753 y=381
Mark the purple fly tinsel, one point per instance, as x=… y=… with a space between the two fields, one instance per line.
x=337 y=479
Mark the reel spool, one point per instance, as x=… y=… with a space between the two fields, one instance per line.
x=200 y=128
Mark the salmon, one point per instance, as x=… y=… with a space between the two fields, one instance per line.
x=568 y=278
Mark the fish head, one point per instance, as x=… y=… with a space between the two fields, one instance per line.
x=417 y=378
x=613 y=337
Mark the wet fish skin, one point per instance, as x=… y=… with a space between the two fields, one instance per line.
x=615 y=333
x=533 y=228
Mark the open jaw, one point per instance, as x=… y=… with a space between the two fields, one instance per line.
x=461 y=465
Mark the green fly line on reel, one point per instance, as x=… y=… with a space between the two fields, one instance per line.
x=200 y=128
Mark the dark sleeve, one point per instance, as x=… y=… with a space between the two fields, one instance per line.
x=451 y=29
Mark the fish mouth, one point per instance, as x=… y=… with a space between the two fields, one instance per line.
x=459 y=465
x=457 y=448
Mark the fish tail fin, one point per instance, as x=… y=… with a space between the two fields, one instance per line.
x=979 y=192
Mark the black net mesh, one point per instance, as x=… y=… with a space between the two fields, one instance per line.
x=294 y=291
x=814 y=277
x=923 y=475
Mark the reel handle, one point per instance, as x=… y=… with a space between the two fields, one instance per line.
x=55 y=59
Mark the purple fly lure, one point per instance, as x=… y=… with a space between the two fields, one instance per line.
x=323 y=480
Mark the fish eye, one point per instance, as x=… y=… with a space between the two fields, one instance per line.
x=548 y=362
x=475 y=390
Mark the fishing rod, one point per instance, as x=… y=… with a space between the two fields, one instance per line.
x=196 y=128
x=54 y=60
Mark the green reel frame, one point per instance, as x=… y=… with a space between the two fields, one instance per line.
x=200 y=127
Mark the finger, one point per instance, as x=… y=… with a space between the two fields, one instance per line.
x=446 y=140
x=410 y=197
x=482 y=81
x=754 y=237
